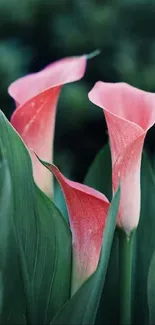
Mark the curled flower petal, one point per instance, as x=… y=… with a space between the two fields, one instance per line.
x=87 y=209
x=36 y=96
x=56 y=74
x=129 y=114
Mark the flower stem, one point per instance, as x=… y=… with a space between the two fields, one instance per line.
x=125 y=263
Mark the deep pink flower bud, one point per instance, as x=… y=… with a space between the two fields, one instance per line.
x=88 y=210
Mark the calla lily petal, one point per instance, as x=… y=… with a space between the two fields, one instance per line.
x=87 y=209
x=129 y=114
x=56 y=74
x=35 y=122
x=36 y=96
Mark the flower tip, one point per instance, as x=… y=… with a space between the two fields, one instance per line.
x=93 y=54
x=54 y=169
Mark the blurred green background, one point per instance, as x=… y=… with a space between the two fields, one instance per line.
x=34 y=33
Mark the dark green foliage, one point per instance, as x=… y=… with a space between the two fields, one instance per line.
x=143 y=300
x=35 y=241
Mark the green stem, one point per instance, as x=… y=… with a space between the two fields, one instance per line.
x=125 y=263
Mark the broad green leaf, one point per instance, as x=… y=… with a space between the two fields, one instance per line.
x=12 y=298
x=54 y=254
x=82 y=307
x=99 y=176
x=145 y=244
x=109 y=307
x=42 y=235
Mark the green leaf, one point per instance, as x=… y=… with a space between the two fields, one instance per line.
x=43 y=239
x=11 y=293
x=54 y=253
x=108 y=311
x=145 y=244
x=99 y=175
x=82 y=307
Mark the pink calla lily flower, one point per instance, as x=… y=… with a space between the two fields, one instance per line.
x=129 y=113
x=36 y=96
x=87 y=209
